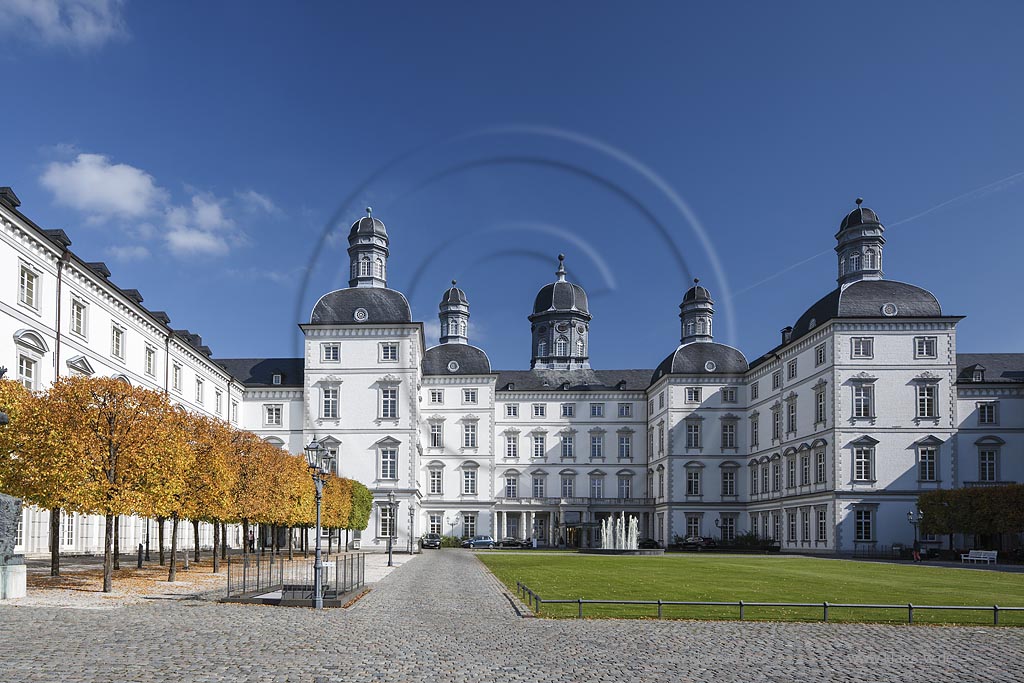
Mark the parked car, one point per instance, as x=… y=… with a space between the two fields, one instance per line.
x=648 y=544
x=431 y=541
x=515 y=543
x=481 y=542
x=698 y=543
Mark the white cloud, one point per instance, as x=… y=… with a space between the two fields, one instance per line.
x=191 y=242
x=100 y=189
x=129 y=252
x=202 y=228
x=81 y=24
x=255 y=202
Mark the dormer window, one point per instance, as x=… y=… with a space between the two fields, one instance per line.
x=979 y=374
x=276 y=379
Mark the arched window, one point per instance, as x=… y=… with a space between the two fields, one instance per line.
x=378 y=269
x=869 y=259
x=854 y=262
x=364 y=267
x=561 y=346
x=580 y=347
x=842 y=266
x=701 y=324
x=462 y=328
x=542 y=348
x=453 y=327
x=689 y=328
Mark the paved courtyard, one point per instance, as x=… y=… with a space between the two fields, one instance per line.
x=442 y=617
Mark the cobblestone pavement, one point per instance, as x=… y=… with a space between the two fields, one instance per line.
x=443 y=618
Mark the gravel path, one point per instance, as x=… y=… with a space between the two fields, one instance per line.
x=444 y=618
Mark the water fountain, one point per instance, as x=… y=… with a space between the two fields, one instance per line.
x=620 y=536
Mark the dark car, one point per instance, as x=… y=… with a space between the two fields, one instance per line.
x=515 y=543
x=431 y=541
x=481 y=542
x=698 y=543
x=648 y=544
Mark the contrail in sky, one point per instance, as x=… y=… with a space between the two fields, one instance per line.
x=984 y=189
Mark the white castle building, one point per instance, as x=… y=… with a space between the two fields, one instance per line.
x=823 y=443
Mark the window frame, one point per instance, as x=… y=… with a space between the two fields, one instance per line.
x=864 y=464
x=920 y=353
x=387 y=468
x=118 y=339
x=268 y=409
x=388 y=352
x=388 y=403
x=79 y=304
x=862 y=348
x=329 y=349
x=29 y=281
x=330 y=402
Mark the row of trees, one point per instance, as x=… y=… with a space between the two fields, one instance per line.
x=973 y=510
x=101 y=446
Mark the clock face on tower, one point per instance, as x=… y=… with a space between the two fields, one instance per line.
x=562 y=327
x=581 y=329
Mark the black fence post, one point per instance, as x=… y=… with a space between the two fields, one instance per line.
x=910 y=613
x=995 y=615
x=579 y=602
x=741 y=610
x=825 y=606
x=659 y=608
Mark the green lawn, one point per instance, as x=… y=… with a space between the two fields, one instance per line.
x=756 y=578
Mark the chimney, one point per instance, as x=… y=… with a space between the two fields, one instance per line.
x=787 y=334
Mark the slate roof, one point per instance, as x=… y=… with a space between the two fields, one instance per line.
x=859 y=216
x=578 y=380
x=561 y=296
x=381 y=305
x=367 y=226
x=471 y=360
x=692 y=359
x=864 y=299
x=999 y=367
x=259 y=372
x=454 y=295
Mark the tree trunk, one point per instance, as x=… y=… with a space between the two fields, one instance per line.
x=172 y=573
x=291 y=545
x=223 y=540
x=108 y=560
x=195 y=535
x=330 y=541
x=55 y=542
x=117 y=541
x=160 y=537
x=305 y=541
x=216 y=544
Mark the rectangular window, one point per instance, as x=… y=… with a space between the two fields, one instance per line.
x=511 y=410
x=862 y=347
x=728 y=529
x=728 y=435
x=862 y=464
x=791 y=527
x=272 y=416
x=661 y=400
x=776 y=477
x=776 y=530
x=776 y=379
x=218 y=402
x=330 y=403
x=568 y=486
x=597 y=446
x=987 y=465
x=176 y=378
x=538 y=487
x=389 y=463
x=469 y=396
x=791 y=417
x=863 y=525
x=28 y=286
x=117 y=342
x=790 y=473
x=597 y=487
x=693 y=394
x=791 y=369
x=987 y=414
x=754 y=436
x=625 y=410
x=330 y=353
x=728 y=483
x=435 y=524
x=625 y=446
x=389 y=403
x=728 y=394
x=469 y=435
x=661 y=482
x=436 y=485
x=436 y=435
x=78 y=317
x=805 y=470
x=650 y=407
x=234 y=411
x=819 y=407
x=819 y=355
x=693 y=482
x=469 y=482
x=596 y=410
x=776 y=424
x=764 y=479
x=27 y=372
x=539 y=447
x=511 y=446
x=926 y=406
x=926 y=460
x=625 y=486
x=200 y=390
x=753 y=481
x=511 y=487
x=67 y=528
x=150 y=365
x=661 y=438
x=863 y=400
x=805 y=525
x=469 y=525
x=568 y=409
x=276 y=379
x=539 y=410
x=692 y=525
x=693 y=435
x=568 y=446
x=819 y=467
x=753 y=391
x=437 y=396
x=386 y=517
x=925 y=347
x=389 y=351
x=822 y=527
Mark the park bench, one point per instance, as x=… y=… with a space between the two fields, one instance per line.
x=975 y=556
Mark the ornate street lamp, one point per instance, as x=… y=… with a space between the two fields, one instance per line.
x=314 y=460
x=3 y=416
x=391 y=526
x=915 y=521
x=412 y=513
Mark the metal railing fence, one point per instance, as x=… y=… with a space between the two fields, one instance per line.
x=255 y=574
x=535 y=602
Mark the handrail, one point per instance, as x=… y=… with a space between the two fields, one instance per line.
x=534 y=601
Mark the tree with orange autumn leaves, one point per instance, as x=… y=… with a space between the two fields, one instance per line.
x=102 y=446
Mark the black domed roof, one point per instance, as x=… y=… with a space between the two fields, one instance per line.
x=702 y=358
x=361 y=305
x=859 y=216
x=367 y=225
x=454 y=295
x=455 y=359
x=697 y=293
x=561 y=296
x=870 y=299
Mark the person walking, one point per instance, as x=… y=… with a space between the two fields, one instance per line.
x=917 y=550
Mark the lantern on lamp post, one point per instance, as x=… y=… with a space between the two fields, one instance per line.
x=314 y=461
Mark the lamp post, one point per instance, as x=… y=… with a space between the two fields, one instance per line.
x=391 y=527
x=452 y=522
x=314 y=453
x=412 y=512
x=4 y=420
x=915 y=521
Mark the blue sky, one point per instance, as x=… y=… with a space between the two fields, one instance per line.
x=204 y=150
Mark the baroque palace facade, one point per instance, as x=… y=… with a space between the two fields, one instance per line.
x=823 y=443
